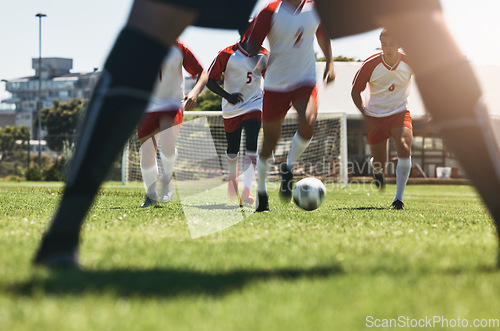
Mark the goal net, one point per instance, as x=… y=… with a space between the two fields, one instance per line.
x=324 y=158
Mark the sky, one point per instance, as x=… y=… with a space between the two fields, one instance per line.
x=85 y=31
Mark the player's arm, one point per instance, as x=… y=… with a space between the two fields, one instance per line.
x=233 y=98
x=194 y=68
x=259 y=29
x=358 y=100
x=191 y=98
x=326 y=47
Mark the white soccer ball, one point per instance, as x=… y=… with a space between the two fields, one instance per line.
x=309 y=193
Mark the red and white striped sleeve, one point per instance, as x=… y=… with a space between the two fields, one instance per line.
x=190 y=62
x=364 y=73
x=262 y=24
x=218 y=66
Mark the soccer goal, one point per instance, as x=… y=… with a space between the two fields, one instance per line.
x=324 y=158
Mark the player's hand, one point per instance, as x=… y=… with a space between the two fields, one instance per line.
x=329 y=73
x=190 y=101
x=234 y=98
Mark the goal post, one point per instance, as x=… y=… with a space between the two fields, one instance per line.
x=324 y=158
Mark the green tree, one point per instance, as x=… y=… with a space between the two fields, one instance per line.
x=61 y=120
x=13 y=138
x=208 y=101
x=339 y=58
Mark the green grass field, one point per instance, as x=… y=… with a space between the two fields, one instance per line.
x=329 y=269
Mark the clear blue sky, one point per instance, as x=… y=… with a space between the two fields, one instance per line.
x=85 y=30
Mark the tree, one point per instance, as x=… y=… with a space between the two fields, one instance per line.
x=61 y=120
x=8 y=137
x=339 y=58
x=208 y=101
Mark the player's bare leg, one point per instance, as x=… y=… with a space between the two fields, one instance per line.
x=403 y=137
x=149 y=169
x=378 y=163
x=307 y=111
x=117 y=105
x=168 y=156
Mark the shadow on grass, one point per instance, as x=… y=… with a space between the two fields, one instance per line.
x=362 y=208
x=159 y=282
x=222 y=206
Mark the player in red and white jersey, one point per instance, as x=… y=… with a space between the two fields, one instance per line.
x=290 y=27
x=241 y=109
x=163 y=117
x=388 y=77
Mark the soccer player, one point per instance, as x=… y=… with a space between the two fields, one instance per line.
x=118 y=103
x=446 y=81
x=290 y=27
x=163 y=118
x=388 y=76
x=447 y=84
x=241 y=109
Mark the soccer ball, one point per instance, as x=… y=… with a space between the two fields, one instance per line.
x=309 y=193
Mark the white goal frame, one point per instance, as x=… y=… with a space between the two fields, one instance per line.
x=334 y=131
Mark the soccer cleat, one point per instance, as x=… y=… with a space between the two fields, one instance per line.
x=286 y=182
x=246 y=197
x=167 y=190
x=58 y=260
x=379 y=180
x=148 y=202
x=398 y=205
x=262 y=202
x=232 y=188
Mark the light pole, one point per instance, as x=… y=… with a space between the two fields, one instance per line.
x=40 y=15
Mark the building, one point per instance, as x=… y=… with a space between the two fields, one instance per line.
x=428 y=150
x=57 y=82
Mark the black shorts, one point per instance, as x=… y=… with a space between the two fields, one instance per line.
x=348 y=17
x=219 y=14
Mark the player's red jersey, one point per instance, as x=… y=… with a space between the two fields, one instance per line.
x=291 y=32
x=388 y=87
x=237 y=66
x=169 y=89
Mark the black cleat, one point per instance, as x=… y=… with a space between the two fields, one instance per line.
x=398 y=205
x=379 y=180
x=262 y=203
x=286 y=182
x=148 y=202
x=58 y=260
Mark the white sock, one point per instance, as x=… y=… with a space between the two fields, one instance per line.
x=299 y=144
x=249 y=164
x=149 y=177
x=262 y=169
x=149 y=168
x=402 y=173
x=168 y=163
x=232 y=163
